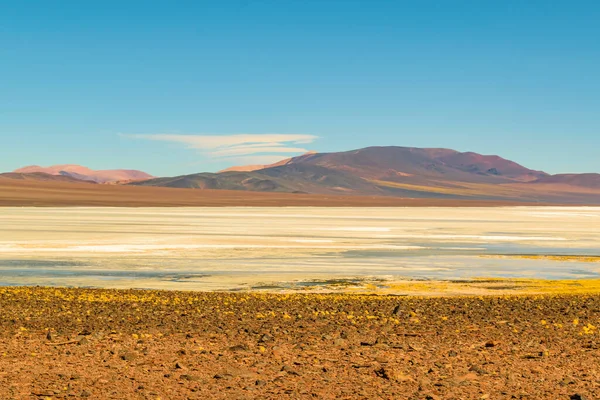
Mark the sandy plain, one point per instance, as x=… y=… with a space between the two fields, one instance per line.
x=19 y=193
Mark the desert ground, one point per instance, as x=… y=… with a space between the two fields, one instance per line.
x=22 y=193
x=111 y=344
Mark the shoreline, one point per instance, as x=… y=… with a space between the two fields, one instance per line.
x=377 y=287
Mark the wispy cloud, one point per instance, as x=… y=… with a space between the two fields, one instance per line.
x=239 y=147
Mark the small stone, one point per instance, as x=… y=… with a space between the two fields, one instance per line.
x=128 y=356
x=578 y=396
x=290 y=370
x=179 y=365
x=393 y=375
x=277 y=351
x=468 y=377
x=239 y=347
x=190 y=378
x=414 y=348
x=49 y=335
x=265 y=338
x=85 y=393
x=477 y=369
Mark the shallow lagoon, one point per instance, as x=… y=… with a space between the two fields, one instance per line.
x=245 y=248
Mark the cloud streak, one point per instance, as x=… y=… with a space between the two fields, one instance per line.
x=269 y=145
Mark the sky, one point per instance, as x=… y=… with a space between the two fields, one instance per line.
x=176 y=87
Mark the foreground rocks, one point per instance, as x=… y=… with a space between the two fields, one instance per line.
x=77 y=343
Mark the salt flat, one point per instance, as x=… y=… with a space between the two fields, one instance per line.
x=242 y=248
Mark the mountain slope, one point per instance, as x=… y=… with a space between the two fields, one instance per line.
x=249 y=168
x=87 y=174
x=400 y=172
x=581 y=180
x=400 y=163
x=490 y=165
x=286 y=178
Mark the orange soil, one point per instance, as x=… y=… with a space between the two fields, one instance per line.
x=47 y=194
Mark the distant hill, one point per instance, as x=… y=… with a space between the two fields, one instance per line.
x=86 y=174
x=397 y=171
x=288 y=178
x=581 y=180
x=42 y=176
x=400 y=172
x=400 y=163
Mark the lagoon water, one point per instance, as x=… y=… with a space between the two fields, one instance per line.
x=246 y=248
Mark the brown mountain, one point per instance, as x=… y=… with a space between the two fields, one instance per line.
x=86 y=174
x=400 y=163
x=581 y=180
x=296 y=178
x=396 y=171
x=255 y=167
x=399 y=172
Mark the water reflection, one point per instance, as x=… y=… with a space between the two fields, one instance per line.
x=233 y=248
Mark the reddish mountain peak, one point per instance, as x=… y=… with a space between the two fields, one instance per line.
x=430 y=163
x=42 y=176
x=84 y=173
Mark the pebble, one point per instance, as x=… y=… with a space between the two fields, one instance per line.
x=265 y=338
x=128 y=356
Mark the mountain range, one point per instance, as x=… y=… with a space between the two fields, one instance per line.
x=399 y=171
x=78 y=172
x=404 y=172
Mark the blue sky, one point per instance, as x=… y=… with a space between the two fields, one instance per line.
x=177 y=87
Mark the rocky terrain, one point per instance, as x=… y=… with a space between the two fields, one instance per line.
x=83 y=343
